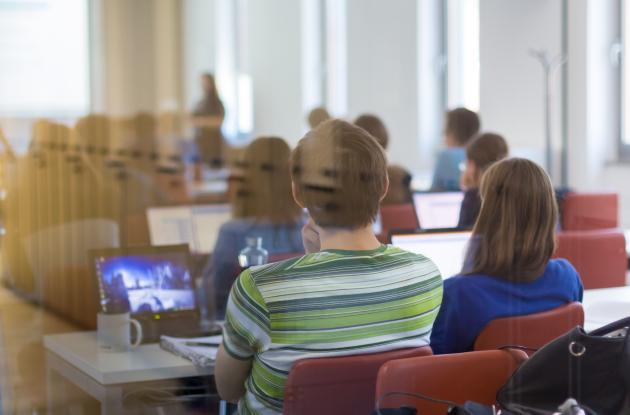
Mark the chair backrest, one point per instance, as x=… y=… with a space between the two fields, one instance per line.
x=590 y=211
x=338 y=385
x=460 y=377
x=533 y=331
x=398 y=217
x=599 y=256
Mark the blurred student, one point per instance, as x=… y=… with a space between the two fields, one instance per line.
x=399 y=178
x=317 y=116
x=207 y=118
x=508 y=269
x=460 y=127
x=263 y=207
x=481 y=153
x=348 y=295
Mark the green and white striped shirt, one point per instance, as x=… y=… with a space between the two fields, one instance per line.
x=331 y=303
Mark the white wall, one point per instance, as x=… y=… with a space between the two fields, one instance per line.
x=198 y=45
x=382 y=71
x=511 y=92
x=274 y=41
x=593 y=112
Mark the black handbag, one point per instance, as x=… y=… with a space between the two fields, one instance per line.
x=593 y=368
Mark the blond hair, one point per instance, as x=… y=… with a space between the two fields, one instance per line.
x=264 y=190
x=340 y=175
x=514 y=236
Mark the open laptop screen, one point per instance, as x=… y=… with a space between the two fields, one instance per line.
x=145 y=282
x=446 y=249
x=197 y=225
x=437 y=210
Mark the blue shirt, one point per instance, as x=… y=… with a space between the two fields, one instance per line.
x=447 y=170
x=472 y=301
x=224 y=267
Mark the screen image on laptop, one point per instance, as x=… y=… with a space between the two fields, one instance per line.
x=446 y=249
x=198 y=225
x=437 y=210
x=145 y=282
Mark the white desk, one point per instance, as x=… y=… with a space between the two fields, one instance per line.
x=605 y=305
x=104 y=375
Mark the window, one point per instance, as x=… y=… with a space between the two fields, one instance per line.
x=463 y=53
x=44 y=59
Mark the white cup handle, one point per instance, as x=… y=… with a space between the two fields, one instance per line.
x=138 y=327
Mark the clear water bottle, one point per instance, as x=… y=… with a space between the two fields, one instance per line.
x=253 y=254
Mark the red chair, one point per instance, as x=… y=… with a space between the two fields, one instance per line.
x=599 y=256
x=590 y=211
x=533 y=331
x=398 y=217
x=338 y=385
x=459 y=377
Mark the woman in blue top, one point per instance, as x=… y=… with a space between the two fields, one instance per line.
x=509 y=270
x=263 y=207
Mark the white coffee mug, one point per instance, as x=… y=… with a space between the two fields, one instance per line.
x=114 y=332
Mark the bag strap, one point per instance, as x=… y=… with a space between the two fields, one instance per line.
x=615 y=325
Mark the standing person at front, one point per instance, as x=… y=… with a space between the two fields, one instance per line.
x=508 y=270
x=207 y=118
x=348 y=295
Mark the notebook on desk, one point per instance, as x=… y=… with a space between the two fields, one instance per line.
x=154 y=284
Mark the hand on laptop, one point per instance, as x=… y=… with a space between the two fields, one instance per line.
x=310 y=237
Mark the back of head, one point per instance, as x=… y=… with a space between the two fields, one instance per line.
x=375 y=126
x=340 y=175
x=514 y=236
x=462 y=124
x=264 y=191
x=486 y=149
x=317 y=116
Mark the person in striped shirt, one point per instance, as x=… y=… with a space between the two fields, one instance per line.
x=348 y=295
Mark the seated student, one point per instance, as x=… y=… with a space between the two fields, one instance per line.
x=263 y=207
x=399 y=178
x=509 y=270
x=481 y=153
x=348 y=295
x=460 y=127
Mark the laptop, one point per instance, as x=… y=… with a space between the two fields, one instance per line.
x=446 y=248
x=437 y=210
x=154 y=284
x=196 y=225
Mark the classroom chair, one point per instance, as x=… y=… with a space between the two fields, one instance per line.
x=532 y=331
x=459 y=377
x=401 y=216
x=338 y=385
x=590 y=211
x=599 y=256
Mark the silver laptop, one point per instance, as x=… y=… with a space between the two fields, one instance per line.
x=196 y=225
x=446 y=248
x=437 y=210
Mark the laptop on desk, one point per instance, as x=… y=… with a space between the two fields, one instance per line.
x=195 y=225
x=437 y=210
x=154 y=284
x=446 y=248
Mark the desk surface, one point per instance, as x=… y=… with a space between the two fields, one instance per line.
x=146 y=363
x=605 y=305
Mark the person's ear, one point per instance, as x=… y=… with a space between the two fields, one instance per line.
x=386 y=189
x=296 y=195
